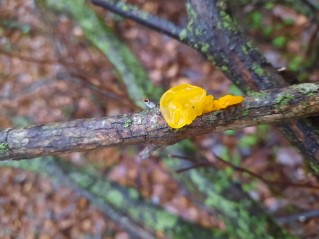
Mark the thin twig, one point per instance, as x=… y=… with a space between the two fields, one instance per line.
x=34 y=60
x=240 y=169
x=267 y=181
x=301 y=217
x=196 y=165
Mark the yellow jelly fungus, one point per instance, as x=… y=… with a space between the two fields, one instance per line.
x=181 y=104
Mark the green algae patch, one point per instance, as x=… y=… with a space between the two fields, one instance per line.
x=258 y=69
x=183 y=34
x=307 y=89
x=4 y=147
x=115 y=197
x=284 y=99
x=165 y=220
x=128 y=123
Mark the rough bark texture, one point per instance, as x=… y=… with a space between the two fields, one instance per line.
x=149 y=126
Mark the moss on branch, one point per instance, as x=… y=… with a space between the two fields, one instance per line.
x=149 y=127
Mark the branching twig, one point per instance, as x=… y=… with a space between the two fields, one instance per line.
x=266 y=181
x=244 y=170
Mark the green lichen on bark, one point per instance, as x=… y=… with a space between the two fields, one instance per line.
x=258 y=69
x=224 y=68
x=226 y=22
x=129 y=8
x=183 y=34
x=257 y=94
x=245 y=113
x=244 y=49
x=196 y=32
x=284 y=99
x=205 y=48
x=313 y=166
x=4 y=147
x=128 y=123
x=307 y=89
x=192 y=16
x=116 y=197
x=247 y=47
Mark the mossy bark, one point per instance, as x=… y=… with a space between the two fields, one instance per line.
x=149 y=126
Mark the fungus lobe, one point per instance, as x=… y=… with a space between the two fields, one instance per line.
x=181 y=104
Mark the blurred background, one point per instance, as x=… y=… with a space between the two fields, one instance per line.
x=53 y=69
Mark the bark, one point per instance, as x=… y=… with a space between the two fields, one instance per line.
x=149 y=127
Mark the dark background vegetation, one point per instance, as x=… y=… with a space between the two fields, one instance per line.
x=51 y=72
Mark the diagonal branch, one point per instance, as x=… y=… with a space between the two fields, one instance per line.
x=149 y=127
x=144 y=18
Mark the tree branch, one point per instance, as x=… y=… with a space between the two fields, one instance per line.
x=149 y=127
x=146 y=19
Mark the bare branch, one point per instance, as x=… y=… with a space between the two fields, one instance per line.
x=146 y=19
x=149 y=127
x=301 y=217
